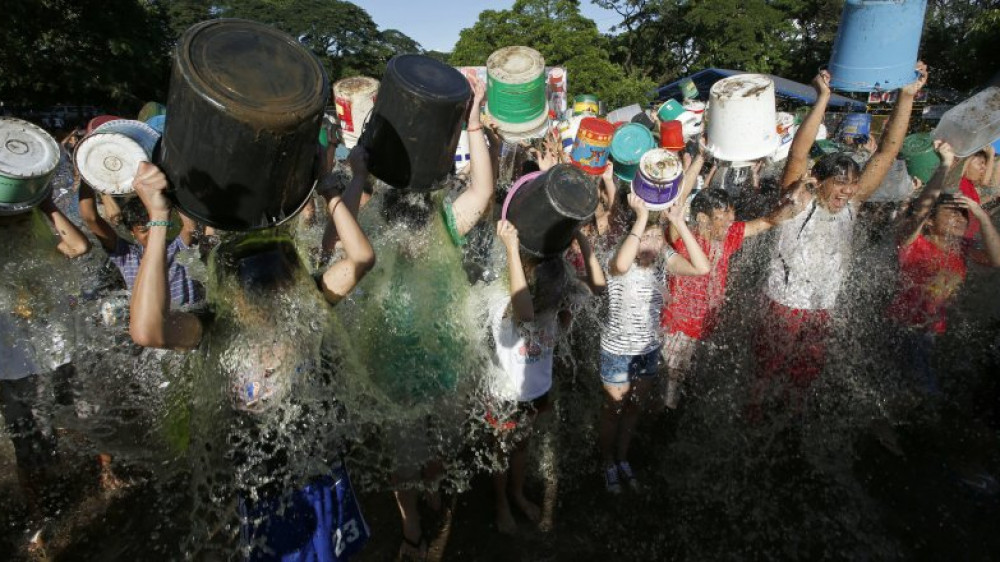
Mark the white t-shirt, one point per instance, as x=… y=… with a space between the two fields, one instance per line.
x=525 y=351
x=635 y=300
x=810 y=260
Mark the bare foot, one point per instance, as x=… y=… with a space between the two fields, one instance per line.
x=505 y=522
x=109 y=482
x=529 y=509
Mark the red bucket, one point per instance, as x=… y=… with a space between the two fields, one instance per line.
x=672 y=135
x=592 y=144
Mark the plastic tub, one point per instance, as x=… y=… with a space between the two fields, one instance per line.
x=246 y=103
x=546 y=208
x=672 y=135
x=876 y=45
x=856 y=125
x=688 y=89
x=586 y=104
x=670 y=110
x=515 y=89
x=624 y=114
x=741 y=118
x=593 y=141
x=972 y=124
x=354 y=98
x=628 y=144
x=29 y=157
x=109 y=157
x=158 y=123
x=658 y=181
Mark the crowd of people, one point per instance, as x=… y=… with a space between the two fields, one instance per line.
x=259 y=323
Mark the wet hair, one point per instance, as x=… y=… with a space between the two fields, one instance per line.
x=413 y=209
x=547 y=283
x=134 y=213
x=947 y=201
x=708 y=200
x=835 y=165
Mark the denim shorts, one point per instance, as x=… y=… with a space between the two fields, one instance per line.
x=621 y=369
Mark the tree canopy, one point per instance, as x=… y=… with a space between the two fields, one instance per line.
x=564 y=37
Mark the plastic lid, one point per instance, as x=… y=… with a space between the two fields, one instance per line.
x=742 y=86
x=516 y=65
x=26 y=150
x=660 y=165
x=358 y=85
x=108 y=161
x=630 y=142
x=246 y=65
x=429 y=77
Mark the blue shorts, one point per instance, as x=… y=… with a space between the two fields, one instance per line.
x=621 y=369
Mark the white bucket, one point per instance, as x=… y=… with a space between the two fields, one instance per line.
x=463 y=154
x=624 y=114
x=354 y=98
x=741 y=118
x=28 y=159
x=517 y=67
x=786 y=128
x=109 y=157
x=972 y=124
x=567 y=132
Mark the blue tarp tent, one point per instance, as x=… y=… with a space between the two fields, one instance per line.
x=784 y=88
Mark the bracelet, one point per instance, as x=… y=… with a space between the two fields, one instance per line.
x=636 y=235
x=167 y=224
x=479 y=128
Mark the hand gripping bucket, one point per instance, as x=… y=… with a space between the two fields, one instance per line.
x=628 y=145
x=741 y=118
x=658 y=181
x=109 y=157
x=918 y=152
x=876 y=45
x=593 y=141
x=546 y=207
x=515 y=89
x=416 y=123
x=354 y=98
x=246 y=103
x=29 y=157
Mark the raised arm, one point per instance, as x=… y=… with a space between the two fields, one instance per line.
x=341 y=277
x=913 y=221
x=472 y=203
x=892 y=138
x=103 y=231
x=595 y=273
x=72 y=242
x=629 y=248
x=691 y=173
x=152 y=323
x=678 y=264
x=790 y=205
x=991 y=239
x=520 y=298
x=798 y=155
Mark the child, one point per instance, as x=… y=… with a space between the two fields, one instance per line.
x=630 y=340
x=525 y=329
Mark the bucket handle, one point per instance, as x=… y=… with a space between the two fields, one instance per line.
x=517 y=185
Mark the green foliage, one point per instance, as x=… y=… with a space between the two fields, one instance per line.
x=557 y=30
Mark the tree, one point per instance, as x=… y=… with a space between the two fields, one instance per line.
x=557 y=30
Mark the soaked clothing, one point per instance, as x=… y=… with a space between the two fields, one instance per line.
x=811 y=258
x=969 y=190
x=930 y=276
x=635 y=302
x=525 y=351
x=695 y=301
x=792 y=343
x=183 y=289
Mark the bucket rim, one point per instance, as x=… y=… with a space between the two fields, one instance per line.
x=52 y=155
x=11 y=209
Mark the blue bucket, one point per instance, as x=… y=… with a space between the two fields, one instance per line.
x=630 y=142
x=856 y=125
x=876 y=45
x=157 y=122
x=996 y=146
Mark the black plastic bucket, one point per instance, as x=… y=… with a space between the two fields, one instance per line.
x=415 y=124
x=547 y=207
x=246 y=103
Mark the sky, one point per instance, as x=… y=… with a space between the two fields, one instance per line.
x=435 y=24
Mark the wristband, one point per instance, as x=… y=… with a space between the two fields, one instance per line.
x=473 y=130
x=636 y=235
x=167 y=224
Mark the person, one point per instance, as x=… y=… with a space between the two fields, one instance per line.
x=976 y=175
x=261 y=342
x=411 y=336
x=630 y=338
x=36 y=336
x=810 y=259
x=692 y=313
x=128 y=255
x=526 y=325
x=933 y=255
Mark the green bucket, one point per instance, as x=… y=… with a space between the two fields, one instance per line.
x=688 y=89
x=515 y=88
x=670 y=110
x=823 y=147
x=918 y=152
x=586 y=104
x=28 y=159
x=151 y=109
